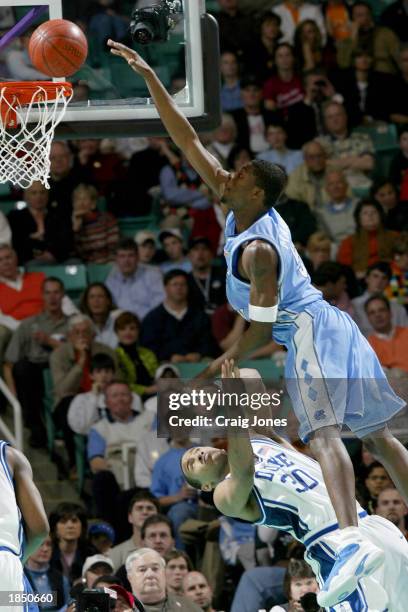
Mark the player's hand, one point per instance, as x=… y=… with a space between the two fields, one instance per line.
x=229 y=369
x=131 y=57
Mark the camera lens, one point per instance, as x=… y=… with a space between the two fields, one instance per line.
x=143 y=33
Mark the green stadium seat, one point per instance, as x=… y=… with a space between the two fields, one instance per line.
x=189 y=370
x=266 y=367
x=73 y=276
x=7 y=206
x=97 y=273
x=384 y=135
x=128 y=226
x=4 y=189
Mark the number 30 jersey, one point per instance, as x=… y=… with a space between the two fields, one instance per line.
x=291 y=493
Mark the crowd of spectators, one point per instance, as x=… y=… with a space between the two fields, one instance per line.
x=304 y=86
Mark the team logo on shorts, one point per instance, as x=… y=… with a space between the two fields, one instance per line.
x=319 y=415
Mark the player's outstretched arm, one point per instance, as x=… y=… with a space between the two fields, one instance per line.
x=179 y=129
x=260 y=265
x=29 y=501
x=232 y=495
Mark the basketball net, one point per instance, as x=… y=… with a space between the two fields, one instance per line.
x=30 y=112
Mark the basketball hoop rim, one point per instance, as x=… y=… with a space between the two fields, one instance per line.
x=22 y=91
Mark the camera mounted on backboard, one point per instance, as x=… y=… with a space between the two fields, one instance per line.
x=154 y=23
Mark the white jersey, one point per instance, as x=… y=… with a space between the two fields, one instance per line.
x=11 y=527
x=291 y=493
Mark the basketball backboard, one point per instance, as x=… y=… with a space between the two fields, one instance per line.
x=110 y=99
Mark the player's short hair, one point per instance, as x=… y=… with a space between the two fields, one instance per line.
x=156 y=519
x=374 y=298
x=297 y=568
x=143 y=496
x=271 y=178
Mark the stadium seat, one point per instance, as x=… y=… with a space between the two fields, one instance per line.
x=97 y=273
x=80 y=460
x=7 y=206
x=48 y=404
x=128 y=226
x=266 y=367
x=73 y=276
x=189 y=370
x=383 y=135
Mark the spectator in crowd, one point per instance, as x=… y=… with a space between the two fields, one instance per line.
x=105 y=438
x=181 y=186
x=172 y=242
x=170 y=488
x=238 y=157
x=158 y=534
x=197 y=589
x=146 y=573
x=105 y=168
x=94 y=568
x=96 y=233
x=370 y=243
x=299 y=580
x=106 y=21
x=284 y=88
x=102 y=536
x=70 y=370
x=300 y=219
x=20 y=295
x=397 y=289
x=137 y=364
x=134 y=286
x=87 y=408
x=223 y=140
x=336 y=217
x=5 y=231
x=43 y=579
x=383 y=42
x=28 y=354
x=230 y=90
x=330 y=279
x=253 y=119
x=396 y=212
x=318 y=250
x=306 y=182
x=178 y=565
x=395 y=17
x=278 y=153
x=206 y=282
x=97 y=303
x=141 y=506
x=337 y=20
x=65 y=177
x=399 y=97
x=294 y=12
x=32 y=227
x=389 y=342
x=68 y=530
x=146 y=245
x=377 y=279
x=376 y=480
x=305 y=118
x=366 y=92
x=399 y=164
x=392 y=507
x=260 y=58
x=236 y=28
x=309 y=47
x=18 y=62
x=176 y=331
x=351 y=152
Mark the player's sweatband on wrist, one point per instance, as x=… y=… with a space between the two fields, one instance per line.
x=262 y=314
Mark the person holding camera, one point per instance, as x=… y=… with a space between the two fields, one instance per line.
x=300 y=587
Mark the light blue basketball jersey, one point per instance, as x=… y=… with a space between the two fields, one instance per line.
x=295 y=291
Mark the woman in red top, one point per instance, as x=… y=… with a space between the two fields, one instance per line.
x=370 y=243
x=284 y=88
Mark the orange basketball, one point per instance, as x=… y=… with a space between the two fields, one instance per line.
x=58 y=48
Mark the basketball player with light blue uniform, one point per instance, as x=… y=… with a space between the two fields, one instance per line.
x=23 y=525
x=268 y=482
x=334 y=377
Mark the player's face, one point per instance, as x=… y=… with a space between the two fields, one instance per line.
x=239 y=187
x=205 y=464
x=301 y=586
